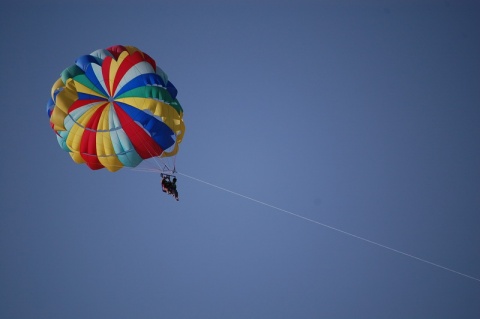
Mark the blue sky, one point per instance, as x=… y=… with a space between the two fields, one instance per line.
x=361 y=115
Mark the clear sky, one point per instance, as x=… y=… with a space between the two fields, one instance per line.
x=361 y=115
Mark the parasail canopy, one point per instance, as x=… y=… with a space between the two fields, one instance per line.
x=115 y=108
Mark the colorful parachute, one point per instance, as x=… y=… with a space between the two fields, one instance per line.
x=114 y=108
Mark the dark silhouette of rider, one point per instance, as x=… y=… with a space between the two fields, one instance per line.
x=170 y=186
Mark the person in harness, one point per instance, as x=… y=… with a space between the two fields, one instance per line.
x=169 y=186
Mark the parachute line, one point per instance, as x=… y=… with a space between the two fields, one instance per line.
x=333 y=228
